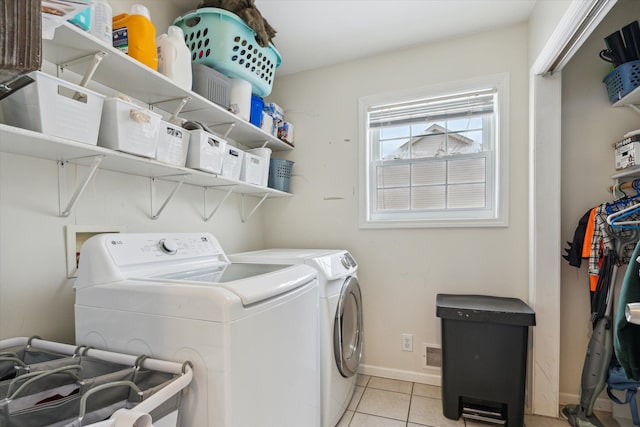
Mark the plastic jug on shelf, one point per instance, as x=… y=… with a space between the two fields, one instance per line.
x=135 y=35
x=174 y=57
x=101 y=19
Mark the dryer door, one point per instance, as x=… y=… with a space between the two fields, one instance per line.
x=347 y=330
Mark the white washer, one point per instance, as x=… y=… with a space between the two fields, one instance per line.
x=250 y=331
x=341 y=329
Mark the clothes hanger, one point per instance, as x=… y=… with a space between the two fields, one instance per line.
x=625 y=199
x=614 y=219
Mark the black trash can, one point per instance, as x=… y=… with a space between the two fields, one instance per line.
x=484 y=356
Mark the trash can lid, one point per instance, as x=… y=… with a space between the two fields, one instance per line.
x=484 y=308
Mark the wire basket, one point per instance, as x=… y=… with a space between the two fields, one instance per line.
x=622 y=80
x=280 y=174
x=221 y=40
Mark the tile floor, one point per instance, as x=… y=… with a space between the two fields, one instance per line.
x=382 y=402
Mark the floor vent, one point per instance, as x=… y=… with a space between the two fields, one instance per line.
x=433 y=356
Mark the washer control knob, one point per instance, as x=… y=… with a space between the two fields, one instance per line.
x=169 y=247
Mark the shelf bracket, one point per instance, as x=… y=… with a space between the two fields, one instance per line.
x=246 y=218
x=228 y=131
x=95 y=59
x=218 y=206
x=183 y=101
x=62 y=185
x=634 y=108
x=169 y=197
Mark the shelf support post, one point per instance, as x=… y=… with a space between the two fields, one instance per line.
x=169 y=197
x=218 y=206
x=242 y=216
x=62 y=185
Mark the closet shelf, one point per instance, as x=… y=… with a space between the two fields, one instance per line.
x=34 y=144
x=632 y=99
x=123 y=73
x=631 y=172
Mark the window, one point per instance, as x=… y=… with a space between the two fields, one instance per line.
x=435 y=156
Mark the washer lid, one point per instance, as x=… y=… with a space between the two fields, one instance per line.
x=250 y=282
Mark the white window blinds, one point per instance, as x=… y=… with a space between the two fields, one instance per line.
x=433 y=158
x=441 y=108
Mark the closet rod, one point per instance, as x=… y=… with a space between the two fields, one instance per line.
x=624 y=186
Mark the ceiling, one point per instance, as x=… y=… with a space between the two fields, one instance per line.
x=316 y=33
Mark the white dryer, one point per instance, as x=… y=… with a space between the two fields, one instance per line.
x=341 y=328
x=250 y=331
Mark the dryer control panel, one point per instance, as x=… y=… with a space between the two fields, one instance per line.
x=347 y=260
x=337 y=265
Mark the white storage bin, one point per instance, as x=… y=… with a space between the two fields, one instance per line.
x=55 y=107
x=253 y=168
x=205 y=151
x=173 y=143
x=265 y=154
x=232 y=162
x=128 y=127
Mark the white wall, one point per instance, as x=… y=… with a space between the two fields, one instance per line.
x=35 y=296
x=589 y=126
x=543 y=21
x=401 y=271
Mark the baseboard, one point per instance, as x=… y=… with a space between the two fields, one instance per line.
x=601 y=404
x=400 y=374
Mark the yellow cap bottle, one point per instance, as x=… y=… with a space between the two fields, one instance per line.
x=135 y=35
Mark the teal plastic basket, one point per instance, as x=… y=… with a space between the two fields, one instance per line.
x=223 y=41
x=622 y=80
x=280 y=174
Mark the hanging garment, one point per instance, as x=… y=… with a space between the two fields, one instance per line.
x=626 y=337
x=604 y=237
x=605 y=281
x=588 y=234
x=575 y=250
x=601 y=241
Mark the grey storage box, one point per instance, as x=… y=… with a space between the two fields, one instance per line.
x=484 y=357
x=211 y=84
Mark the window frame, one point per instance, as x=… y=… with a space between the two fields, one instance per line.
x=497 y=190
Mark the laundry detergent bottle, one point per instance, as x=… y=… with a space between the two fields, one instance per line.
x=174 y=57
x=135 y=35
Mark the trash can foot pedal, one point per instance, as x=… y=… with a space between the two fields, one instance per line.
x=483 y=415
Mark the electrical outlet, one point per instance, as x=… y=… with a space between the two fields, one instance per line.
x=407 y=342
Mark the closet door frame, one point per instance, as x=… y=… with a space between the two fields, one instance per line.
x=545 y=240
